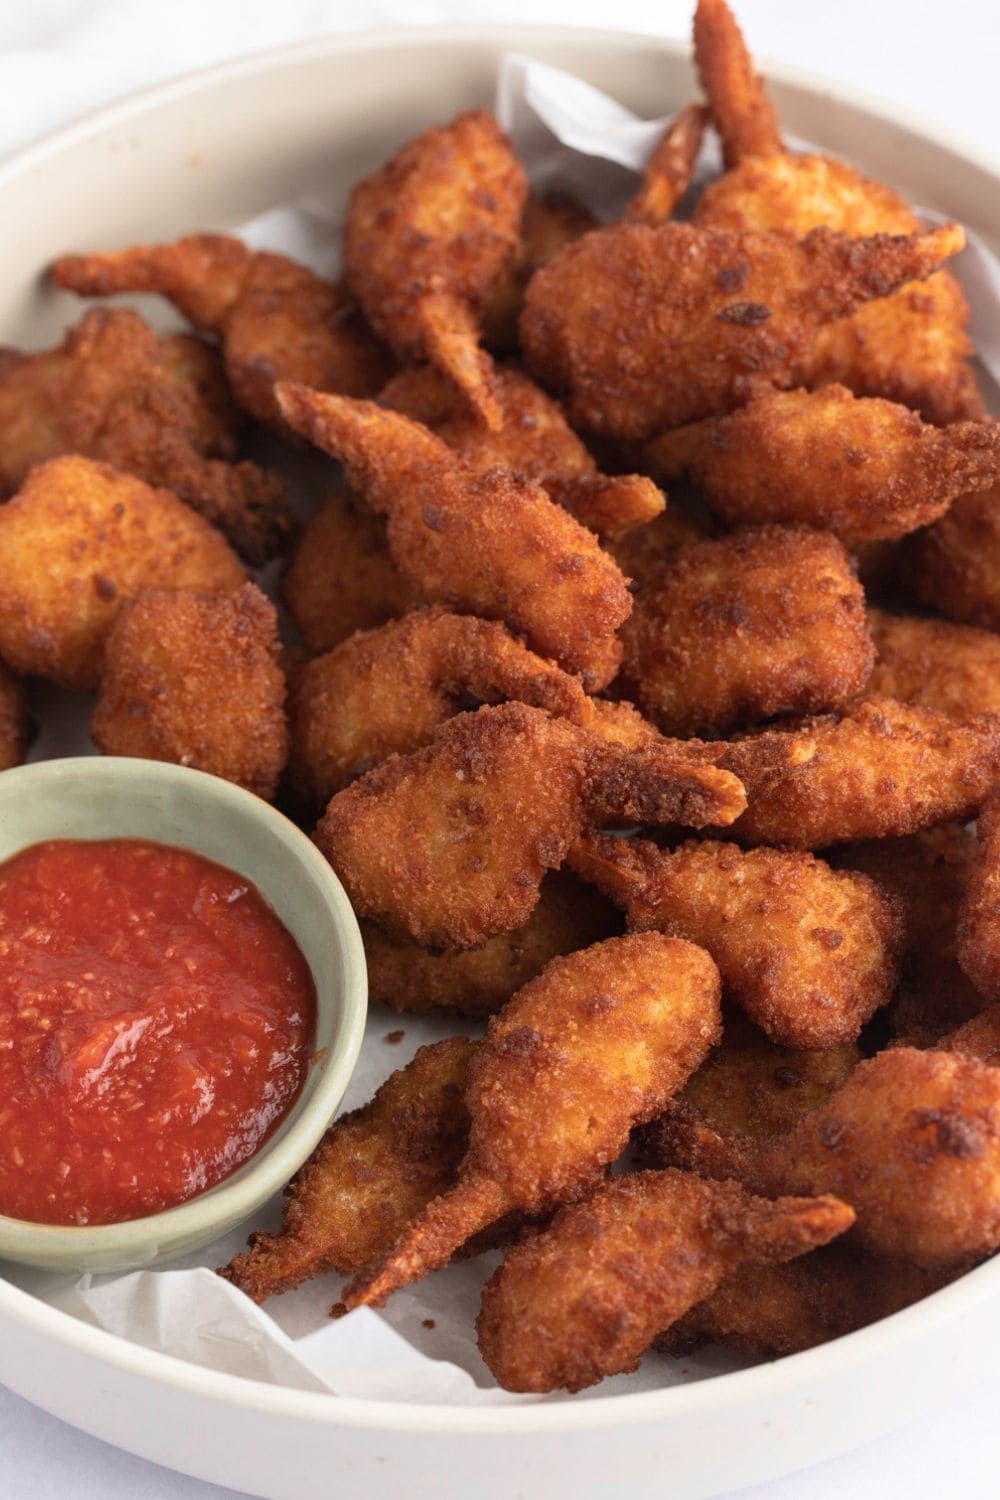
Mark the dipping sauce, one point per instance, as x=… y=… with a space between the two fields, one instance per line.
x=156 y=1025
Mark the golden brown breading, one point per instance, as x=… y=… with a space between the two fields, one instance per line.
x=647 y=328
x=809 y=953
x=864 y=469
x=388 y=690
x=426 y=239
x=276 y=319
x=765 y=621
x=620 y=723
x=953 y=668
x=979 y=917
x=979 y=1037
x=448 y=845
x=772 y=1310
x=586 y=1297
x=954 y=565
x=478 y=981
x=668 y=171
x=374 y=1170
x=492 y=545
x=928 y=873
x=341 y=576
x=911 y=347
x=534 y=439
x=151 y=407
x=879 y=769
x=194 y=679
x=14 y=724
x=599 y=1042
x=77 y=542
x=641 y=552
x=548 y=222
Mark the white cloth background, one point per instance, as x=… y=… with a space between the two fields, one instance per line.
x=59 y=58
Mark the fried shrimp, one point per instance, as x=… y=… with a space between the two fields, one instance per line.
x=371 y=1174
x=448 y=845
x=388 y=690
x=550 y=220
x=492 y=545
x=534 y=439
x=952 y=668
x=763 y=622
x=865 y=469
x=427 y=238
x=880 y=769
x=954 y=565
x=194 y=679
x=647 y=328
x=599 y=1042
x=586 y=1297
x=275 y=318
x=152 y=407
x=809 y=953
x=668 y=171
x=979 y=918
x=911 y=347
x=77 y=542
x=478 y=981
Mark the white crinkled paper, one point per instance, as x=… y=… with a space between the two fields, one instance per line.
x=421 y=1347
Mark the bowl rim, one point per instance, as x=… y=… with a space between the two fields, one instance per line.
x=235 y=1197
x=767 y=1381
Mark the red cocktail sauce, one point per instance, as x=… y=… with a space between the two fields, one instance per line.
x=156 y=1024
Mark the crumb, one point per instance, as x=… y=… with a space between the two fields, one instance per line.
x=429 y=1323
x=394 y=1037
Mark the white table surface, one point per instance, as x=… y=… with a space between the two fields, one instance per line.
x=59 y=58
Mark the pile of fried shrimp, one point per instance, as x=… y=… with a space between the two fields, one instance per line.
x=673 y=796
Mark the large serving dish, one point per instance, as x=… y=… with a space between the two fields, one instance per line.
x=213 y=151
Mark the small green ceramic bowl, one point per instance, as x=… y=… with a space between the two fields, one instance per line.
x=98 y=797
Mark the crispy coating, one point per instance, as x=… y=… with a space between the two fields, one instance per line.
x=388 y=690
x=276 y=319
x=599 y=1042
x=953 y=668
x=979 y=1037
x=151 y=407
x=14 y=724
x=979 y=917
x=373 y=1171
x=587 y=1296
x=927 y=873
x=880 y=769
x=863 y=468
x=913 y=346
x=643 y=551
x=668 y=171
x=767 y=621
x=426 y=239
x=549 y=221
x=77 y=542
x=954 y=565
x=194 y=679
x=492 y=545
x=647 y=328
x=773 y=1310
x=341 y=576
x=808 y=952
x=478 y=981
x=448 y=845
x=534 y=439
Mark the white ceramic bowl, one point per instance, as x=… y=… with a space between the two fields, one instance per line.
x=212 y=151
x=91 y=797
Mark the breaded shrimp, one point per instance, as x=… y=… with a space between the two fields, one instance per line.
x=880 y=769
x=151 y=407
x=979 y=917
x=863 y=468
x=493 y=545
x=647 y=328
x=276 y=319
x=448 y=845
x=478 y=981
x=668 y=171
x=426 y=239
x=194 y=679
x=388 y=690
x=549 y=221
x=642 y=552
x=599 y=1042
x=586 y=1297
x=809 y=953
x=77 y=542
x=374 y=1170
x=954 y=565
x=766 y=621
x=978 y=1038
x=953 y=668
